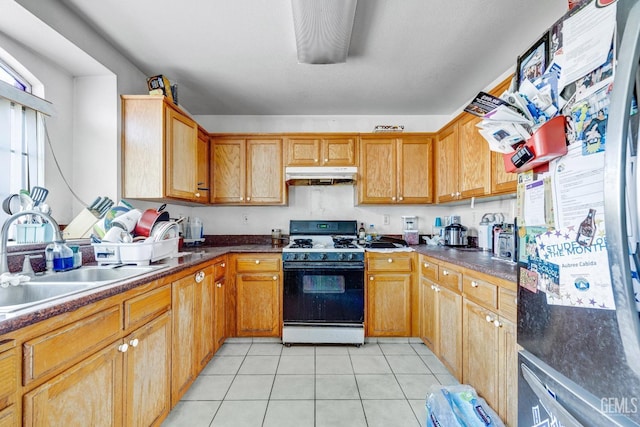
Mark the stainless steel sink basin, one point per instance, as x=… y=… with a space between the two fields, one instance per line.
x=51 y=286
x=93 y=274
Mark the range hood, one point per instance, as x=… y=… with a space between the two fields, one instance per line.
x=320 y=175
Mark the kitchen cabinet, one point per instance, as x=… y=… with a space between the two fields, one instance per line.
x=450 y=330
x=126 y=382
x=428 y=312
x=202 y=171
x=258 y=295
x=247 y=170
x=9 y=380
x=463 y=161
x=160 y=152
x=501 y=180
x=388 y=294
x=205 y=312
x=321 y=150
x=395 y=170
x=219 y=315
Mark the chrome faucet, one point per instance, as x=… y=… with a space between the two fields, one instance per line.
x=4 y=264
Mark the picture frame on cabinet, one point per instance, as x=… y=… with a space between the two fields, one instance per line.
x=533 y=63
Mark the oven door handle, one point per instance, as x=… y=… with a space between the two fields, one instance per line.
x=323 y=265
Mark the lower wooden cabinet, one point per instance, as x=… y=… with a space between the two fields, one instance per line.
x=89 y=393
x=258 y=295
x=205 y=311
x=9 y=379
x=9 y=417
x=450 y=330
x=429 y=308
x=220 y=304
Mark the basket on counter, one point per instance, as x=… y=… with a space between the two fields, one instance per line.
x=139 y=253
x=34 y=233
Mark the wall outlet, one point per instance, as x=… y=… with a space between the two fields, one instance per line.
x=386 y=220
x=245 y=218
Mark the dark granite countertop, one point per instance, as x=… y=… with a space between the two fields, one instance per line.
x=471 y=259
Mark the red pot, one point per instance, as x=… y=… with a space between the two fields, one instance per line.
x=148 y=219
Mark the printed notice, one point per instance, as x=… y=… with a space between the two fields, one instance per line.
x=534 y=203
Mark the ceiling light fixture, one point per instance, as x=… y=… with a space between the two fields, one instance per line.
x=323 y=29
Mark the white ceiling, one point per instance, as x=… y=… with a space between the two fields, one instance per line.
x=407 y=57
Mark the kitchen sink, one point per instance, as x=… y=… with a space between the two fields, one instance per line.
x=52 y=286
x=93 y=274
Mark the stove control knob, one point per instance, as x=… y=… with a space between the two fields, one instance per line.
x=323 y=256
x=304 y=256
x=340 y=257
x=350 y=257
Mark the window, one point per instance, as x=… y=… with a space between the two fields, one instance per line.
x=20 y=146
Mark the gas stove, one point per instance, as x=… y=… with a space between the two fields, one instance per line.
x=323 y=241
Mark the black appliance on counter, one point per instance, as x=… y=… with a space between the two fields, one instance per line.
x=323 y=287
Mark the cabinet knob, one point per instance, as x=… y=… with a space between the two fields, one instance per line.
x=134 y=342
x=248 y=198
x=393 y=198
x=197 y=194
x=457 y=194
x=474 y=284
x=199 y=276
x=122 y=348
x=436 y=288
x=219 y=285
x=390 y=260
x=426 y=265
x=275 y=277
x=445 y=273
x=223 y=265
x=257 y=261
x=497 y=324
x=453 y=194
x=488 y=319
x=370 y=277
x=241 y=198
x=400 y=198
x=315 y=160
x=326 y=160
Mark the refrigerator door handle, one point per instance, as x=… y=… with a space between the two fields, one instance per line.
x=615 y=179
x=551 y=405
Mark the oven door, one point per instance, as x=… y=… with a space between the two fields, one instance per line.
x=323 y=293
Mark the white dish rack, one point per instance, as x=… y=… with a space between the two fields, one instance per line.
x=139 y=253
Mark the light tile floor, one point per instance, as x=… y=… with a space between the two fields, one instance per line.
x=254 y=382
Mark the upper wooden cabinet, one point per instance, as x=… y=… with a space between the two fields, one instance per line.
x=247 y=170
x=203 y=164
x=395 y=170
x=463 y=161
x=160 y=150
x=321 y=150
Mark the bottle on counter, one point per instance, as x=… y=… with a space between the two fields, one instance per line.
x=362 y=233
x=48 y=257
x=77 y=256
x=62 y=256
x=372 y=234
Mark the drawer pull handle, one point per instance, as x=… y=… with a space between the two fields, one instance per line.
x=474 y=284
x=134 y=342
x=390 y=260
x=122 y=348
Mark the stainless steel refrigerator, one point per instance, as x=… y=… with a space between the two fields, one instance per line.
x=580 y=364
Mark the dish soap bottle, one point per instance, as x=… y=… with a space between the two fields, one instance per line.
x=62 y=256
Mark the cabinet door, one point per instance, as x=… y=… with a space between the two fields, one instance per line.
x=148 y=373
x=415 y=173
x=508 y=372
x=219 y=332
x=303 y=151
x=378 y=170
x=9 y=417
x=204 y=314
x=429 y=328
x=202 y=181
x=501 y=180
x=183 y=305
x=339 y=151
x=88 y=394
x=258 y=304
x=228 y=170
x=389 y=305
x=265 y=172
x=450 y=334
x=181 y=155
x=480 y=365
x=447 y=164
x=474 y=169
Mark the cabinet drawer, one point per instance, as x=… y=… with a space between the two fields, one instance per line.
x=429 y=270
x=143 y=308
x=8 y=369
x=508 y=303
x=450 y=278
x=71 y=343
x=388 y=262
x=483 y=293
x=258 y=263
x=220 y=269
